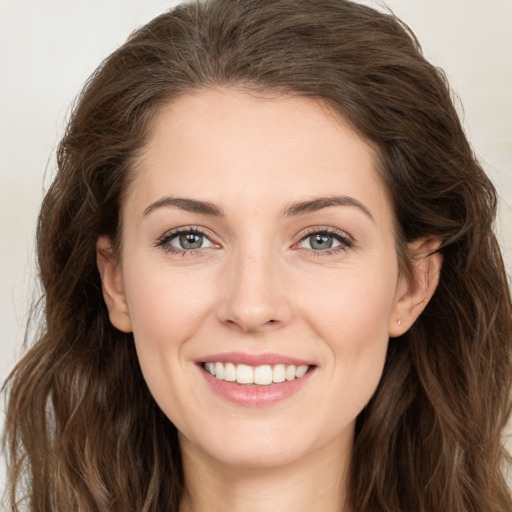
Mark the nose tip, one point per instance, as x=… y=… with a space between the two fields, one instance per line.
x=255 y=299
x=251 y=321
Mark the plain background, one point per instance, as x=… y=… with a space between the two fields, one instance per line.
x=48 y=48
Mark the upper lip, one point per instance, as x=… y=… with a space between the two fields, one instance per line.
x=253 y=359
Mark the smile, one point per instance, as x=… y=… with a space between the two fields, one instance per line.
x=255 y=380
x=263 y=375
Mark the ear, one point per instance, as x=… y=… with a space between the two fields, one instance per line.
x=112 y=285
x=414 y=291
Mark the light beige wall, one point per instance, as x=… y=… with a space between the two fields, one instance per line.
x=48 y=48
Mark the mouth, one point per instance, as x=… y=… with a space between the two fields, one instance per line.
x=255 y=380
x=261 y=375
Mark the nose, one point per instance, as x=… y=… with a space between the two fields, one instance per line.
x=254 y=295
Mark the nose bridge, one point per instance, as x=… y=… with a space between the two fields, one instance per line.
x=255 y=296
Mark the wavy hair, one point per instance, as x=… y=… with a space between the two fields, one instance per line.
x=83 y=432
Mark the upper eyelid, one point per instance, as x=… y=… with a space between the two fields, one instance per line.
x=170 y=234
x=187 y=229
x=324 y=229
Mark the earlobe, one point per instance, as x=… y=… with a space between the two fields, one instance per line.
x=415 y=291
x=112 y=285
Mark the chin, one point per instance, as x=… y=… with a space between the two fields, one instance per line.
x=268 y=446
x=258 y=452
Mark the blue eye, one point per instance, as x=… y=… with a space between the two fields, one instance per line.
x=189 y=241
x=183 y=241
x=320 y=241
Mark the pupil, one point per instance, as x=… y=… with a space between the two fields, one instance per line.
x=191 y=241
x=321 y=241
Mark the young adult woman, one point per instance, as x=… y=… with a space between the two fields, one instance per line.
x=270 y=279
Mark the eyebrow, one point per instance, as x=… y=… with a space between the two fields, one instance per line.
x=313 y=205
x=292 y=210
x=189 y=205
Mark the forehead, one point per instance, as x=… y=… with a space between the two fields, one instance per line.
x=221 y=143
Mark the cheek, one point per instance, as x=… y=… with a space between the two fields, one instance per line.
x=352 y=317
x=351 y=304
x=165 y=306
x=166 y=309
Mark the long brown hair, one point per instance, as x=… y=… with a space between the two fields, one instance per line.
x=83 y=432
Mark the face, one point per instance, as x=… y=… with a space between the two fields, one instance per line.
x=258 y=245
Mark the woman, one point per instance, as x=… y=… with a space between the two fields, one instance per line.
x=270 y=278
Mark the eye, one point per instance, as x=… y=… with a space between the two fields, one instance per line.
x=319 y=242
x=183 y=241
x=189 y=240
x=325 y=241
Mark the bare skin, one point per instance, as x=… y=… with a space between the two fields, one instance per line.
x=215 y=488
x=254 y=227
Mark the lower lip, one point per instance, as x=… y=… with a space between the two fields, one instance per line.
x=253 y=395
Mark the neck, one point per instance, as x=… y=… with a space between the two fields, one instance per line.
x=318 y=482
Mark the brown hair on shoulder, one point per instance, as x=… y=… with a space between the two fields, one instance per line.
x=83 y=432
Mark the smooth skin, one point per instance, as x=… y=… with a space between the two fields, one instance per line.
x=260 y=225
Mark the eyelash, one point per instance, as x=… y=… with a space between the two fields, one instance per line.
x=346 y=242
x=164 y=241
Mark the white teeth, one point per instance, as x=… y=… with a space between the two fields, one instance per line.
x=279 y=373
x=263 y=375
x=301 y=371
x=230 y=372
x=244 y=374
x=219 y=371
x=259 y=375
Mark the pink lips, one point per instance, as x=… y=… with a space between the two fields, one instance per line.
x=254 y=395
x=253 y=359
